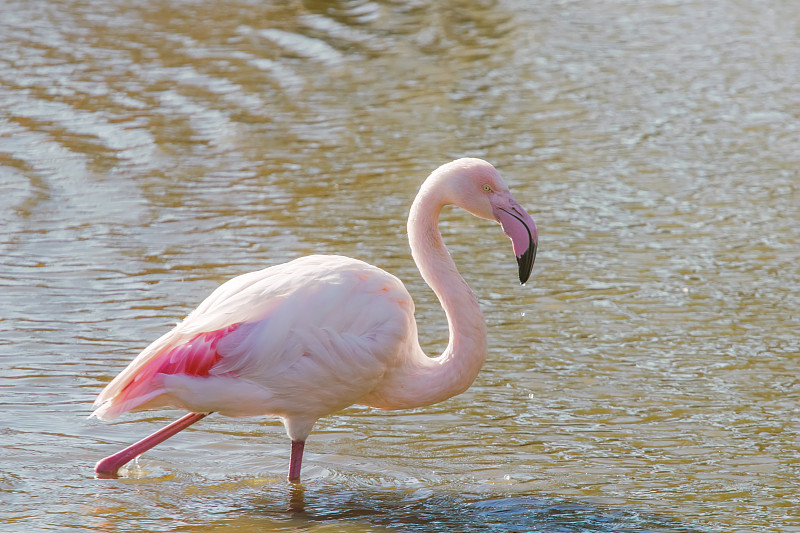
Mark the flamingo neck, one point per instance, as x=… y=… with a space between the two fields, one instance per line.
x=439 y=378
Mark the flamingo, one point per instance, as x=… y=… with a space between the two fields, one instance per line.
x=304 y=339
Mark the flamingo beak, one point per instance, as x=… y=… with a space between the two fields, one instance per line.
x=518 y=225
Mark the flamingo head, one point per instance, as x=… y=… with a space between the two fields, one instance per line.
x=476 y=186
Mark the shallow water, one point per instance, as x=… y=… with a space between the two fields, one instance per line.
x=644 y=380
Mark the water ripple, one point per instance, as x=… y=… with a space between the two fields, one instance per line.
x=643 y=380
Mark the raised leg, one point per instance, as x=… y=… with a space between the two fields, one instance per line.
x=108 y=467
x=296 y=459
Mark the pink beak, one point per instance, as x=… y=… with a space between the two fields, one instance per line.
x=521 y=229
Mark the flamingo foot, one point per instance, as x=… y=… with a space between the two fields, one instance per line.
x=108 y=468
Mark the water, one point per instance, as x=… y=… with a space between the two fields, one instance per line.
x=644 y=380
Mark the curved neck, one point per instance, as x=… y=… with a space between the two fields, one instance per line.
x=456 y=368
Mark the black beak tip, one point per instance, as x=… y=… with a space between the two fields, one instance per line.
x=526 y=263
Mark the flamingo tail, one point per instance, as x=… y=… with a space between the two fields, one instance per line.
x=139 y=384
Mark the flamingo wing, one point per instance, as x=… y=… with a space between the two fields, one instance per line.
x=324 y=323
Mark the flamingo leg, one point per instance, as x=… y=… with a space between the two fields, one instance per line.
x=296 y=459
x=108 y=467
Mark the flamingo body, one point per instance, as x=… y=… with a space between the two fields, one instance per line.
x=260 y=342
x=309 y=337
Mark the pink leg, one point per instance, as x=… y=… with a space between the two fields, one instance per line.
x=296 y=459
x=108 y=467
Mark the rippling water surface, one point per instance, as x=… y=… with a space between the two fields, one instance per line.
x=646 y=379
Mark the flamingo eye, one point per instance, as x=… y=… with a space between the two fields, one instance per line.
x=487 y=188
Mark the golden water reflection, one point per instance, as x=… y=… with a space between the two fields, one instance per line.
x=646 y=377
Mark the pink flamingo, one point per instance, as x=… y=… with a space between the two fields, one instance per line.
x=307 y=338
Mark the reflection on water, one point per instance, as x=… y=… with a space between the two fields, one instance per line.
x=424 y=511
x=646 y=377
x=259 y=507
